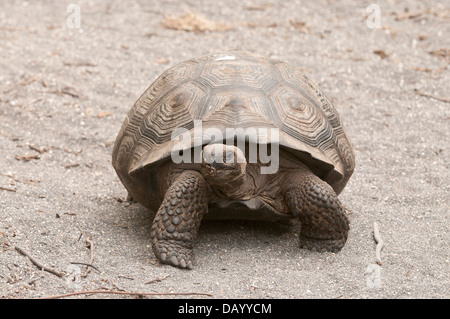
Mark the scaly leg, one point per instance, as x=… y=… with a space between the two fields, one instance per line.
x=324 y=223
x=177 y=221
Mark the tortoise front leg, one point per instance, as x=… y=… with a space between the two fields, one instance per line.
x=177 y=221
x=324 y=223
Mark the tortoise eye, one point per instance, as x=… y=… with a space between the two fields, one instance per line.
x=228 y=157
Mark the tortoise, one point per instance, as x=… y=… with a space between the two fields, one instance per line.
x=192 y=146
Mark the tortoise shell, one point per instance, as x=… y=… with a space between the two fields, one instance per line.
x=237 y=90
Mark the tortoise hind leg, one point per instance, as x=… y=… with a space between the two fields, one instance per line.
x=324 y=224
x=176 y=223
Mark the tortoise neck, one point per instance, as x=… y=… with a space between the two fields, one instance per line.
x=229 y=188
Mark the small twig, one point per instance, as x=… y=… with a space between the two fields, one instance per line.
x=7 y=189
x=38 y=264
x=85 y=264
x=69 y=91
x=89 y=292
x=116 y=286
x=71 y=165
x=37 y=149
x=23 y=83
x=155 y=280
x=71 y=214
x=27 y=157
x=80 y=63
x=445 y=100
x=90 y=245
x=380 y=242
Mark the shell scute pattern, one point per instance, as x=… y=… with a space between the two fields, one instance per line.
x=236 y=90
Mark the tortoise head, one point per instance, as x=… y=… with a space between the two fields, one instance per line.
x=223 y=167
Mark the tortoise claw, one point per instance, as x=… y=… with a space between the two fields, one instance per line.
x=173 y=253
x=322 y=245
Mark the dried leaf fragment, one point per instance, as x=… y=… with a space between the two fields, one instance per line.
x=162 y=61
x=410 y=15
x=103 y=114
x=381 y=54
x=443 y=53
x=193 y=22
x=300 y=26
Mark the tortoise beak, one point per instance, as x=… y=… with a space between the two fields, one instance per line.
x=209 y=170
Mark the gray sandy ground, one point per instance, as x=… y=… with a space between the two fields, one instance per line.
x=64 y=93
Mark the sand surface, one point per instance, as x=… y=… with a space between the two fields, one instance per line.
x=67 y=84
